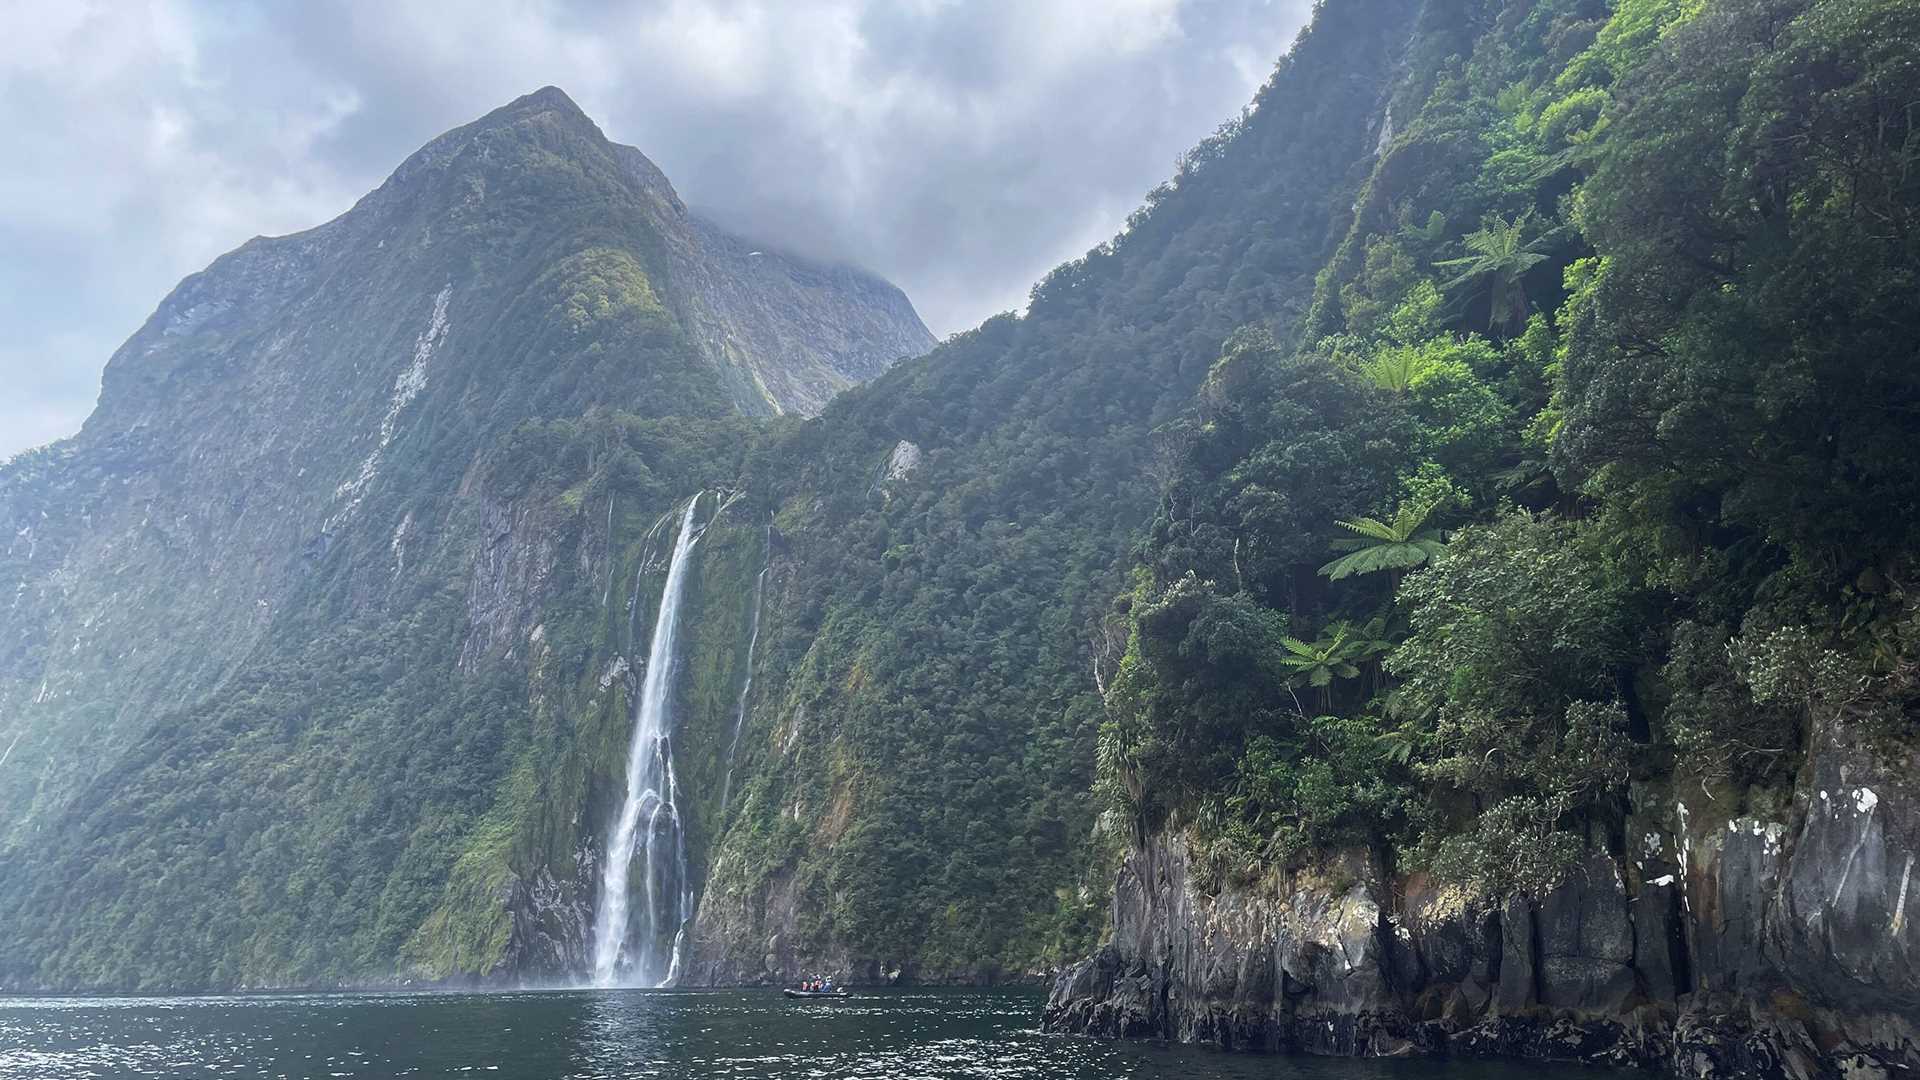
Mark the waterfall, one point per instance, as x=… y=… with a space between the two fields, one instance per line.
x=647 y=835
x=753 y=639
x=607 y=597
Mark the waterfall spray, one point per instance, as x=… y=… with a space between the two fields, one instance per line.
x=648 y=829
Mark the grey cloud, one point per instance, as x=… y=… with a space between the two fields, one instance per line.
x=959 y=148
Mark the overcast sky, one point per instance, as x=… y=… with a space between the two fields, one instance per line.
x=961 y=148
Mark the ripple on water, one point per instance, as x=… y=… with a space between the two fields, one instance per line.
x=618 y=1035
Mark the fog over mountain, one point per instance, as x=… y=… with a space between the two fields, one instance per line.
x=958 y=149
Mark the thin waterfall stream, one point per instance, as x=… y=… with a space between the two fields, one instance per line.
x=626 y=942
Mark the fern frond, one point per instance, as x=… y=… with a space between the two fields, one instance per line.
x=1373 y=527
x=1400 y=556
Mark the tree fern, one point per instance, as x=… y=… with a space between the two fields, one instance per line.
x=1501 y=257
x=1395 y=368
x=1379 y=545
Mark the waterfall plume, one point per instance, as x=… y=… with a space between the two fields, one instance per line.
x=647 y=839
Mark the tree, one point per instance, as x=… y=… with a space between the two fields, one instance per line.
x=1336 y=654
x=1521 y=619
x=1501 y=257
x=1379 y=545
x=1739 y=360
x=1395 y=368
x=1512 y=672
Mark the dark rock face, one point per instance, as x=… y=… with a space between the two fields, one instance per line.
x=1714 y=948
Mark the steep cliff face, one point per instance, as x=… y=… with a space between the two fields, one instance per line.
x=786 y=332
x=270 y=619
x=916 y=759
x=798 y=331
x=1759 y=945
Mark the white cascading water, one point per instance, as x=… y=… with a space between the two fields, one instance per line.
x=625 y=942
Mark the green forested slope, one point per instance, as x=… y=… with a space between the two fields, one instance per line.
x=1503 y=425
x=927 y=705
x=1593 y=471
x=1583 y=463
x=275 y=706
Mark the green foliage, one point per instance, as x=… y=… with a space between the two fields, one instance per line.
x=1328 y=785
x=1378 y=545
x=1735 y=362
x=1706 y=433
x=1515 y=847
x=1519 y=637
x=1318 y=663
x=1712 y=717
x=1574 y=118
x=1502 y=254
x=1684 y=408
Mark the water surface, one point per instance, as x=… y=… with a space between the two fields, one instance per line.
x=594 y=1034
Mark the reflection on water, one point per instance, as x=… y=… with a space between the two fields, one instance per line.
x=626 y=1034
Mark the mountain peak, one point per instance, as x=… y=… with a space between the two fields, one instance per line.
x=550 y=96
x=546 y=116
x=546 y=100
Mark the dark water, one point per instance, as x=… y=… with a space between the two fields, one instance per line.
x=594 y=1034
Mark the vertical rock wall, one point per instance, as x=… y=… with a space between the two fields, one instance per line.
x=1716 y=945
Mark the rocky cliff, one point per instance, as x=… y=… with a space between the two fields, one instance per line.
x=277 y=606
x=1760 y=942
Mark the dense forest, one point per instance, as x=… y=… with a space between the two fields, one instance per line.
x=1494 y=442
x=1592 y=464
x=1545 y=591
x=932 y=640
x=1580 y=460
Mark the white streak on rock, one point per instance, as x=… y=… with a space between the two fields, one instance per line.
x=1386 y=131
x=406 y=386
x=616 y=670
x=1900 y=905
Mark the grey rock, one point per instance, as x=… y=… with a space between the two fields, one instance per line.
x=1741 y=947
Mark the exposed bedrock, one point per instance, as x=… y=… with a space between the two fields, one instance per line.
x=1712 y=946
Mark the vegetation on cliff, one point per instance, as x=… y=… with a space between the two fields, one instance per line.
x=1626 y=313
x=1515 y=404
x=310 y=673
x=927 y=708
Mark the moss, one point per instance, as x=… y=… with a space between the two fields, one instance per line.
x=598 y=284
x=468 y=933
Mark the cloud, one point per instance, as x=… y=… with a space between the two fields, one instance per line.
x=959 y=147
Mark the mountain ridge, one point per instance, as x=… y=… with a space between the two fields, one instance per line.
x=306 y=426
x=1435 y=582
